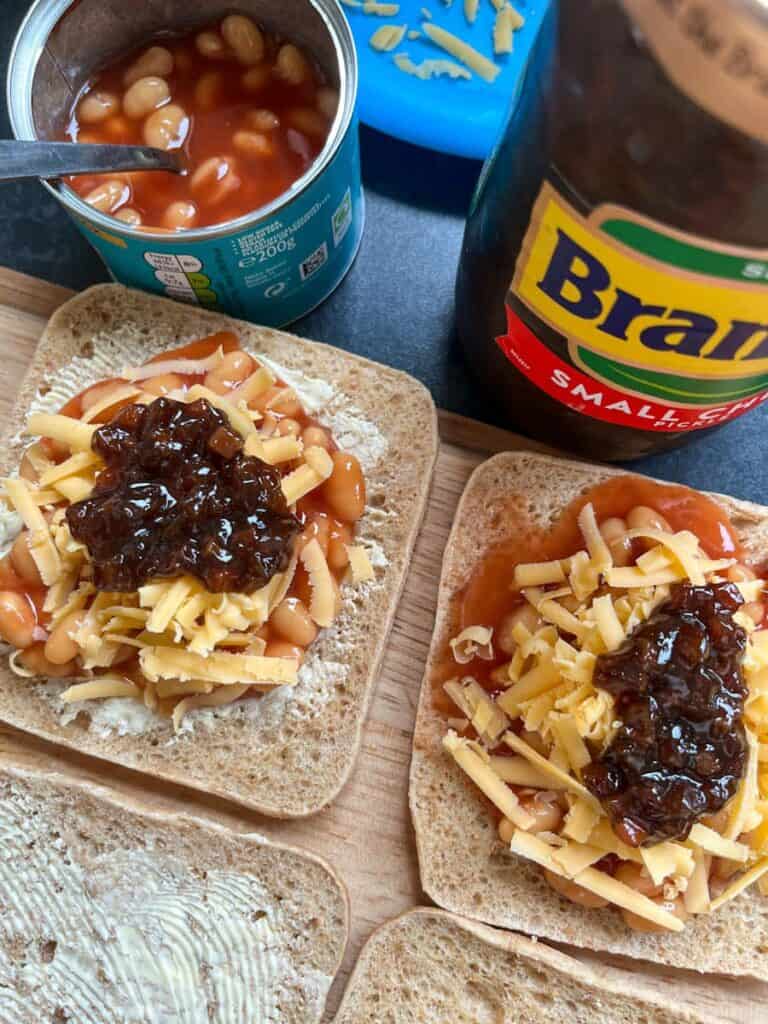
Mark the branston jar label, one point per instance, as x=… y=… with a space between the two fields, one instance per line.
x=665 y=331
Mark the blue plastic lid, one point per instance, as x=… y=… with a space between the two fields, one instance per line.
x=453 y=116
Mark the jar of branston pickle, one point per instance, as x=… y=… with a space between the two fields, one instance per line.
x=613 y=288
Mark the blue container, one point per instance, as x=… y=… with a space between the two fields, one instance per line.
x=271 y=266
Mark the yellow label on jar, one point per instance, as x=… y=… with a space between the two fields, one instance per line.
x=635 y=293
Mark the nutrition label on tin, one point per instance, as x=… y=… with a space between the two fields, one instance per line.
x=183 y=277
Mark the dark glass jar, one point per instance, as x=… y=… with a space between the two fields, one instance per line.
x=613 y=287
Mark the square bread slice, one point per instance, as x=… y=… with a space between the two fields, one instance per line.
x=430 y=967
x=289 y=753
x=463 y=866
x=112 y=913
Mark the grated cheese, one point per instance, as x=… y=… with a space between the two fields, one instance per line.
x=218 y=667
x=388 y=37
x=595 y=881
x=463 y=52
x=322 y=607
x=41 y=547
x=473 y=642
x=274 y=450
x=360 y=566
x=102 y=689
x=72 y=466
x=75 y=434
x=476 y=763
x=118 y=395
x=431 y=68
x=484 y=714
x=238 y=420
x=181 y=367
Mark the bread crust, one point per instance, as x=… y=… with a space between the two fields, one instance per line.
x=428 y=964
x=291 y=760
x=463 y=866
x=86 y=825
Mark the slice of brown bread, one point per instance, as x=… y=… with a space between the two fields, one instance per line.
x=114 y=913
x=463 y=866
x=430 y=967
x=289 y=754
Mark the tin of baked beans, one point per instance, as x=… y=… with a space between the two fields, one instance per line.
x=271 y=266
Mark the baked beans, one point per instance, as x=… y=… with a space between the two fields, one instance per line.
x=536 y=741
x=641 y=517
x=215 y=179
x=60 y=648
x=145 y=95
x=613 y=531
x=97 y=393
x=17 y=619
x=22 y=561
x=211 y=46
x=109 y=196
x=345 y=488
x=163 y=384
x=292 y=65
x=282 y=649
x=262 y=121
x=288 y=428
x=34 y=659
x=248 y=113
x=231 y=371
x=740 y=574
x=575 y=893
x=180 y=215
x=244 y=38
x=27 y=471
x=97 y=106
x=167 y=127
x=129 y=216
x=253 y=144
x=328 y=102
x=256 y=79
x=525 y=615
x=637 y=878
x=157 y=60
x=293 y=622
x=506 y=830
x=209 y=90
x=316 y=437
x=642 y=924
x=546 y=811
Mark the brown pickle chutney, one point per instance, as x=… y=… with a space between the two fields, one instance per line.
x=178 y=496
x=681 y=749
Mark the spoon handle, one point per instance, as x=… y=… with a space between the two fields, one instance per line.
x=21 y=159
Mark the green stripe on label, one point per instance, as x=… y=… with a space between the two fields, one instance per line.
x=669 y=387
x=684 y=255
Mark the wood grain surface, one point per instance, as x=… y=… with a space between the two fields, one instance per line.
x=366 y=834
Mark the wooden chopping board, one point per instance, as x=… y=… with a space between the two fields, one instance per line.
x=366 y=834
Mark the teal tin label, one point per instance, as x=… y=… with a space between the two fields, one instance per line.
x=272 y=271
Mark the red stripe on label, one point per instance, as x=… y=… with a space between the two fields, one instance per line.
x=591 y=397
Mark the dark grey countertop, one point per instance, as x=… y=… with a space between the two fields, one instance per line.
x=396 y=305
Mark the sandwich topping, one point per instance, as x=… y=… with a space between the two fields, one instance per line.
x=679 y=694
x=188 y=529
x=610 y=701
x=177 y=495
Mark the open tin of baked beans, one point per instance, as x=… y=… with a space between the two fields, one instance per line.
x=270 y=264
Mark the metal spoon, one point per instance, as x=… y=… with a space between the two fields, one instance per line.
x=22 y=159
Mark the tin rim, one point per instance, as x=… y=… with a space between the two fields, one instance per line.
x=23 y=127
